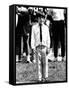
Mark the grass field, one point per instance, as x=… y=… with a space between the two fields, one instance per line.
x=27 y=72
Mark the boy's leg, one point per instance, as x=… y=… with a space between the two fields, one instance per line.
x=45 y=64
x=39 y=68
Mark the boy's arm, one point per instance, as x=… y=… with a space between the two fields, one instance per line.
x=48 y=40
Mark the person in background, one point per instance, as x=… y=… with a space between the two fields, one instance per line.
x=58 y=31
x=22 y=30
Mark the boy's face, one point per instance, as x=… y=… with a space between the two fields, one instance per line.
x=41 y=20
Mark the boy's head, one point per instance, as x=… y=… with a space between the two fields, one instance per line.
x=41 y=19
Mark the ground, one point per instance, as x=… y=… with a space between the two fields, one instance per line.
x=27 y=72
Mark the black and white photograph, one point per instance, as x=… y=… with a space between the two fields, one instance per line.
x=40 y=44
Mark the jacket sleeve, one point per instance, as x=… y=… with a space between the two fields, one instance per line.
x=33 y=38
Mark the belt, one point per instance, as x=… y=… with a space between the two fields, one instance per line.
x=40 y=47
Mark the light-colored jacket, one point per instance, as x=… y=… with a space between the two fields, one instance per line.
x=35 y=36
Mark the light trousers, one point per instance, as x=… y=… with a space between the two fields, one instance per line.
x=42 y=63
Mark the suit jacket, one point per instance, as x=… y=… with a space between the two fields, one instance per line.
x=35 y=36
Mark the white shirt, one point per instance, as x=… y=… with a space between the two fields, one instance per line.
x=58 y=14
x=35 y=36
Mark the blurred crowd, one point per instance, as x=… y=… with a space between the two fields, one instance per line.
x=26 y=20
